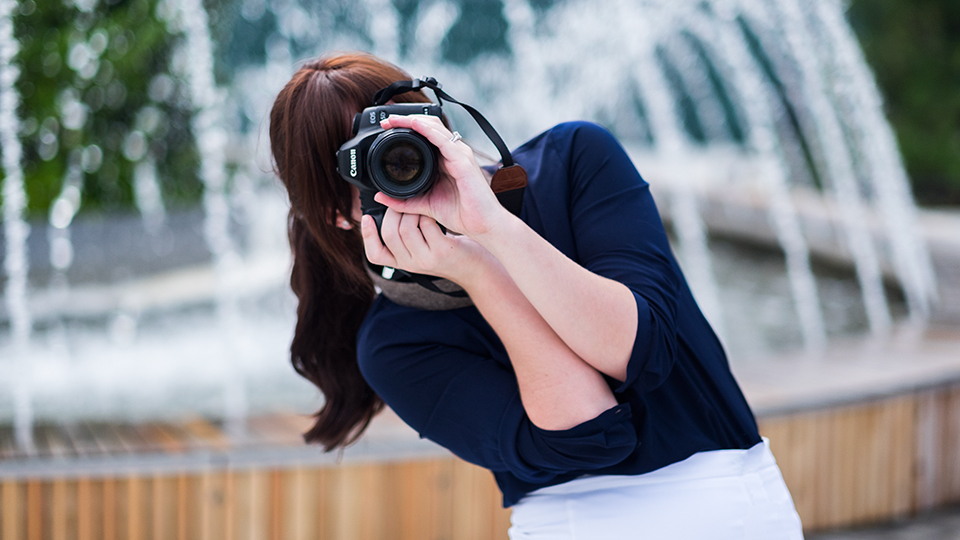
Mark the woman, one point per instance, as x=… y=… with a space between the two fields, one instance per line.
x=581 y=372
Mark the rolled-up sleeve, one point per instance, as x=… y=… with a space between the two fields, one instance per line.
x=470 y=404
x=618 y=234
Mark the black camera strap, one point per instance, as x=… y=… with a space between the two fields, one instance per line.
x=402 y=87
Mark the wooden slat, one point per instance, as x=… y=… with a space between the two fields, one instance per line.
x=929 y=422
x=951 y=446
x=59 y=509
x=135 y=508
x=109 y=509
x=34 y=510
x=904 y=457
x=253 y=505
x=326 y=521
x=298 y=500
x=212 y=503
x=444 y=482
x=183 y=507
x=85 y=511
x=793 y=440
x=11 y=510
x=843 y=479
x=121 y=509
x=876 y=489
x=360 y=503
x=162 y=508
x=419 y=499
x=474 y=511
x=229 y=505
x=868 y=454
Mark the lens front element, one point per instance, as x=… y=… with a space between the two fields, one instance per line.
x=402 y=163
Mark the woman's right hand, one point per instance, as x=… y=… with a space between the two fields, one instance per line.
x=415 y=243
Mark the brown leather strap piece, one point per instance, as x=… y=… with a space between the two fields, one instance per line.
x=507 y=178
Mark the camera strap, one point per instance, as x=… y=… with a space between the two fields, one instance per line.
x=402 y=87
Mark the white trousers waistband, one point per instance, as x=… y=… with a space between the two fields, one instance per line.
x=717 y=495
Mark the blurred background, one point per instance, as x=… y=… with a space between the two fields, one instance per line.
x=805 y=157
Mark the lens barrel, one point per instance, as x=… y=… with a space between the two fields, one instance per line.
x=402 y=163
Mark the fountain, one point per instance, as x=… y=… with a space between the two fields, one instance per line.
x=699 y=108
x=143 y=352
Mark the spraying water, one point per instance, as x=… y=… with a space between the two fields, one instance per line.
x=726 y=37
x=15 y=228
x=14 y=198
x=855 y=86
x=197 y=63
x=843 y=180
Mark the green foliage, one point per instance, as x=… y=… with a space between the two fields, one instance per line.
x=97 y=93
x=914 y=49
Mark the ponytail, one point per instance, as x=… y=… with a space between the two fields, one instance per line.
x=310 y=119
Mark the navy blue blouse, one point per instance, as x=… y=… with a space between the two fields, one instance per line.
x=448 y=376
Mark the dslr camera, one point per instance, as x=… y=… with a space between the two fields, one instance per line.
x=399 y=162
x=403 y=164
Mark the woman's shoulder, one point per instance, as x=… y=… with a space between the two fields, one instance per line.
x=567 y=136
x=571 y=156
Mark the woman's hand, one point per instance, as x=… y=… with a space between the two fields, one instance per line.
x=415 y=243
x=461 y=199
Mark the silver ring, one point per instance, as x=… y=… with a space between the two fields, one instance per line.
x=456 y=137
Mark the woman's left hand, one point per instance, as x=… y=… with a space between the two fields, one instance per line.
x=415 y=243
x=461 y=199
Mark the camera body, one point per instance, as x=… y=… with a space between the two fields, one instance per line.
x=399 y=162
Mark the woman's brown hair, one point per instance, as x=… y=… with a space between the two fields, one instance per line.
x=311 y=117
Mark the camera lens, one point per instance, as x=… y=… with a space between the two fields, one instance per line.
x=402 y=162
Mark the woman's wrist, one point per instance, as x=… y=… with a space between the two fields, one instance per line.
x=475 y=272
x=497 y=228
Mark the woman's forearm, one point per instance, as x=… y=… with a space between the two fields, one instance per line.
x=558 y=389
x=595 y=316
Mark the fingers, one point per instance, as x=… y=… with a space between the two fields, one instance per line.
x=411 y=239
x=416 y=205
x=403 y=245
x=376 y=252
x=433 y=129
x=431 y=232
x=392 y=239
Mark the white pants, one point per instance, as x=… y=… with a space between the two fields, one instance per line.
x=723 y=494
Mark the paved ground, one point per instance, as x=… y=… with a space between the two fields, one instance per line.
x=941 y=525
